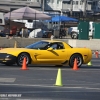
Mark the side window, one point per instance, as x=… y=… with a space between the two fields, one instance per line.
x=57 y=46
x=39 y=45
x=54 y=46
x=60 y=45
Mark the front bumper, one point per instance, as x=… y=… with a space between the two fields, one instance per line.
x=7 y=58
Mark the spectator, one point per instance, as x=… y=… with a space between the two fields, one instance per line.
x=14 y=30
x=18 y=32
x=24 y=32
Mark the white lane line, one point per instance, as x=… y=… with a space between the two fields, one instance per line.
x=41 y=79
x=43 y=92
x=64 y=86
x=7 y=79
x=90 y=71
x=35 y=99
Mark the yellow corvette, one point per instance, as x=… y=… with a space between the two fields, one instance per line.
x=46 y=52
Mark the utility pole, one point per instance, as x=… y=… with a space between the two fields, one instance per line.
x=43 y=3
x=85 y=5
x=71 y=10
x=62 y=7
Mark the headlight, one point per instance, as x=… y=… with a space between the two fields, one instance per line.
x=7 y=56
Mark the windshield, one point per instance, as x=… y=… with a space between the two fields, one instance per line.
x=38 y=45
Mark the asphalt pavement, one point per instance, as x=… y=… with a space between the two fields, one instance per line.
x=39 y=82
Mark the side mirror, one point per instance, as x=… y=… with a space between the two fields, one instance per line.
x=50 y=49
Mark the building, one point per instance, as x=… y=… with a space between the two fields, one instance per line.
x=96 y=6
x=67 y=7
x=7 y=5
x=78 y=7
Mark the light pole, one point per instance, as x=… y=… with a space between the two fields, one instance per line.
x=43 y=3
x=84 y=12
x=71 y=10
x=62 y=7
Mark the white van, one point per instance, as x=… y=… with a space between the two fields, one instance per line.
x=73 y=31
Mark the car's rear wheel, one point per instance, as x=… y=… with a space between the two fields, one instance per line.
x=21 y=57
x=79 y=60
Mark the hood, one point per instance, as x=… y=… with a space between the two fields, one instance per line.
x=11 y=50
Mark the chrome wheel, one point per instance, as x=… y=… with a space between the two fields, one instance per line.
x=74 y=35
x=78 y=58
x=21 y=58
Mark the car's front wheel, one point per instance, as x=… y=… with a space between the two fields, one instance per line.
x=79 y=60
x=21 y=57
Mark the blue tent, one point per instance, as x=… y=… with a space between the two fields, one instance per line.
x=62 y=19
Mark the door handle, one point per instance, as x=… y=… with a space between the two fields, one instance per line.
x=63 y=51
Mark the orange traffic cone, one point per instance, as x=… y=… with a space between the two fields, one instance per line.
x=24 y=66
x=97 y=54
x=75 y=67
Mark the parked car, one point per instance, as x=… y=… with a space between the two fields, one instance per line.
x=73 y=31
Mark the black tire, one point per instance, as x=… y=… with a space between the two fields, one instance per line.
x=79 y=60
x=74 y=35
x=8 y=64
x=58 y=65
x=20 y=59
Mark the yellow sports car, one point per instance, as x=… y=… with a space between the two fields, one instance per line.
x=46 y=52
